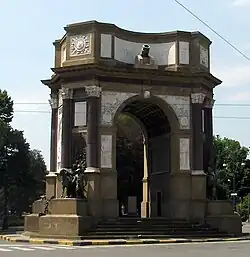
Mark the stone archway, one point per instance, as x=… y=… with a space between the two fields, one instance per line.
x=158 y=124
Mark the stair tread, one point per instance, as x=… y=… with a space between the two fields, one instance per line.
x=135 y=227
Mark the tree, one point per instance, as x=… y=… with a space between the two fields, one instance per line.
x=16 y=166
x=6 y=115
x=38 y=171
x=22 y=171
x=231 y=165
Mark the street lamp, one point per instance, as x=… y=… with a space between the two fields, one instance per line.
x=234 y=193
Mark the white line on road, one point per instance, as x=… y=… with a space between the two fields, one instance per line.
x=5 y=250
x=21 y=248
x=43 y=248
x=65 y=247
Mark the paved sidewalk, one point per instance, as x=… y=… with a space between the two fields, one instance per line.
x=22 y=239
x=14 y=235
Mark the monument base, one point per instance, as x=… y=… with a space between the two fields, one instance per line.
x=220 y=215
x=65 y=218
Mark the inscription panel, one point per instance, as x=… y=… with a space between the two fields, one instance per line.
x=80 y=114
x=204 y=56
x=183 y=52
x=184 y=154
x=106 y=151
x=106 y=45
x=163 y=53
x=181 y=107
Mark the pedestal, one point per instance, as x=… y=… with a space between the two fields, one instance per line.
x=67 y=218
x=199 y=192
x=220 y=215
x=51 y=185
x=92 y=188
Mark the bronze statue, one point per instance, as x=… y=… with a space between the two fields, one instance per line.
x=73 y=181
x=144 y=59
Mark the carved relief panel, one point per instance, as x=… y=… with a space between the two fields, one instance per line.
x=80 y=45
x=106 y=151
x=184 y=154
x=110 y=103
x=181 y=107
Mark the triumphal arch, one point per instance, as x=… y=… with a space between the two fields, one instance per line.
x=163 y=81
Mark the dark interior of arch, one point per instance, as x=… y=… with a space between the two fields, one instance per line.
x=151 y=115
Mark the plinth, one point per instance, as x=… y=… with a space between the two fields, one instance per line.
x=66 y=218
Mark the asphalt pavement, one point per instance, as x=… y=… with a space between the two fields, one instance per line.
x=222 y=249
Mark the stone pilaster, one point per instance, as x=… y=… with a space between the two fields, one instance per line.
x=93 y=126
x=53 y=101
x=92 y=172
x=208 y=130
x=67 y=114
x=197 y=100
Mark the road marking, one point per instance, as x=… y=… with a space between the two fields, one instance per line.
x=21 y=248
x=43 y=248
x=5 y=250
x=64 y=247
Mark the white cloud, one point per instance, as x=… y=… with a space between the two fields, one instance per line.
x=241 y=3
x=232 y=76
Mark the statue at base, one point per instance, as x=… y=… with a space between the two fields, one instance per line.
x=144 y=59
x=73 y=181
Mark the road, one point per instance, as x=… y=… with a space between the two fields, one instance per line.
x=226 y=249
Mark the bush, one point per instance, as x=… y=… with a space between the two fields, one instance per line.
x=243 y=209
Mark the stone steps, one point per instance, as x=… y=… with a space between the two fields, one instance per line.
x=125 y=228
x=169 y=230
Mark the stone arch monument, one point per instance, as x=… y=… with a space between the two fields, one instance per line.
x=161 y=79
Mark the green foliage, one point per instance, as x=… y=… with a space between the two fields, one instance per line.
x=242 y=208
x=230 y=163
x=6 y=107
x=22 y=171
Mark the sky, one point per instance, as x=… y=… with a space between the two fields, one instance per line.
x=29 y=27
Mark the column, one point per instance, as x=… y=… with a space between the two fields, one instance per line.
x=67 y=119
x=199 y=178
x=93 y=126
x=208 y=129
x=92 y=172
x=53 y=138
x=208 y=149
x=145 y=202
x=198 y=135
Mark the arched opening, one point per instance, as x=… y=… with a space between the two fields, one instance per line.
x=143 y=160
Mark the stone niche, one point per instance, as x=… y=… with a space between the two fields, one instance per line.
x=91 y=42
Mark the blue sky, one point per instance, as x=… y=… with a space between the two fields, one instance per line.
x=29 y=27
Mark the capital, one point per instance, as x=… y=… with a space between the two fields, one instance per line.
x=53 y=101
x=66 y=93
x=93 y=91
x=197 y=98
x=209 y=103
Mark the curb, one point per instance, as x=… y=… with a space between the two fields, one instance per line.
x=14 y=239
